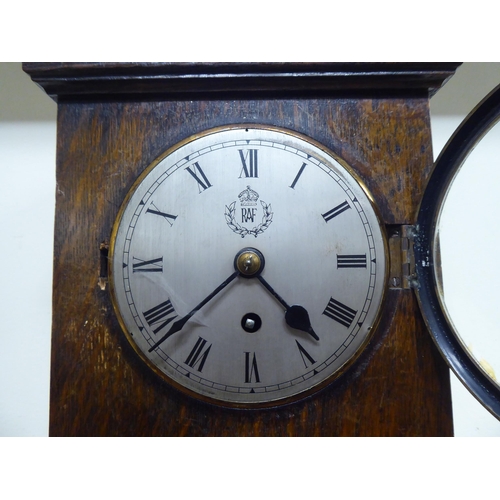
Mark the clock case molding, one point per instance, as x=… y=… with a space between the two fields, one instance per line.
x=114 y=119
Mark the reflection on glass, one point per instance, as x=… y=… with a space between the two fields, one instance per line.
x=469 y=241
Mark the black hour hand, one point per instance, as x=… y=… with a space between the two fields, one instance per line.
x=295 y=316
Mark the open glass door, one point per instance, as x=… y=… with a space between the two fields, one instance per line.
x=457 y=252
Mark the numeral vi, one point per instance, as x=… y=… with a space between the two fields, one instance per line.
x=251 y=369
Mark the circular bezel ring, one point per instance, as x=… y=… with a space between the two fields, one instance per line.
x=475 y=126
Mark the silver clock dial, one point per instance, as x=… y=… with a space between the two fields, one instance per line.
x=248 y=266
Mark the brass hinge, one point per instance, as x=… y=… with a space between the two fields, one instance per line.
x=402 y=270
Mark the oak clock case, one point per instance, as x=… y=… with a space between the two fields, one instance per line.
x=114 y=119
x=248 y=266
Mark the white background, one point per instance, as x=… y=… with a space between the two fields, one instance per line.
x=27 y=193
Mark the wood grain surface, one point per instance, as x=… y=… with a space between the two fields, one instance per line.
x=209 y=80
x=398 y=387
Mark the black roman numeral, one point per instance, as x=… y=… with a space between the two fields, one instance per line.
x=328 y=216
x=297 y=177
x=147 y=266
x=198 y=354
x=249 y=162
x=348 y=261
x=340 y=312
x=251 y=369
x=199 y=175
x=168 y=217
x=305 y=355
x=160 y=315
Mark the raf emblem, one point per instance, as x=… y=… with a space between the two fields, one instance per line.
x=241 y=215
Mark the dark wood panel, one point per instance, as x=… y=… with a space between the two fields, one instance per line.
x=63 y=81
x=399 y=385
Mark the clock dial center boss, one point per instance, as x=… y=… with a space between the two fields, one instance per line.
x=249 y=262
x=261 y=324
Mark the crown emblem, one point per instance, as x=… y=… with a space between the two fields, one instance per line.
x=248 y=212
x=248 y=197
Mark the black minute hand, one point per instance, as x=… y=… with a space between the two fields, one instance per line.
x=295 y=316
x=177 y=326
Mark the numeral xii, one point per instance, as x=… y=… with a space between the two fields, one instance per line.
x=249 y=163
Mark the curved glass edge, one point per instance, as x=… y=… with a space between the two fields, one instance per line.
x=427 y=263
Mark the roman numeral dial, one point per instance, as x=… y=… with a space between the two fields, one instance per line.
x=248 y=265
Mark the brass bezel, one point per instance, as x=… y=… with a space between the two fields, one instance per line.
x=274 y=402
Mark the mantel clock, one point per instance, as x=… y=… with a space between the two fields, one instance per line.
x=234 y=250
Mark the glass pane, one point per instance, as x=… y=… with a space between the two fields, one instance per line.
x=469 y=243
